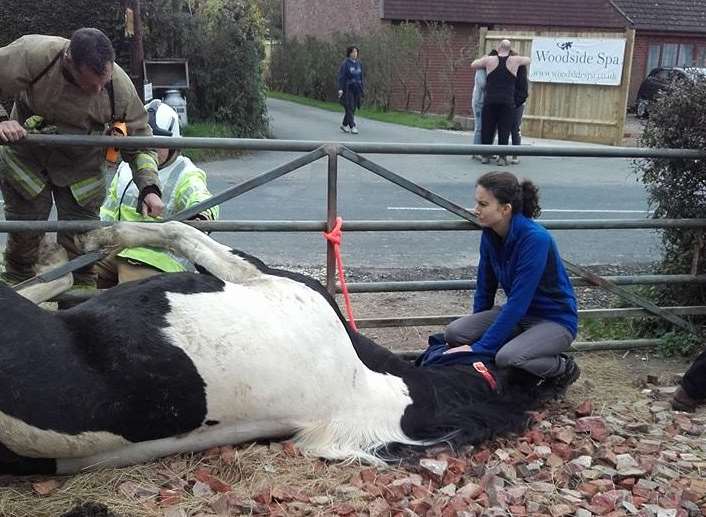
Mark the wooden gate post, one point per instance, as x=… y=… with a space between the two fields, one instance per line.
x=622 y=106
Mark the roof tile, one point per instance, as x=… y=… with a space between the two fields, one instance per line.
x=562 y=13
x=666 y=15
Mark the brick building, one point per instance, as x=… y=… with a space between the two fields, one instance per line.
x=468 y=16
x=668 y=32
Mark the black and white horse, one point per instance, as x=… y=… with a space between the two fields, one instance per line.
x=185 y=362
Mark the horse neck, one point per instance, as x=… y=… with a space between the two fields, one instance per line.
x=371 y=400
x=377 y=358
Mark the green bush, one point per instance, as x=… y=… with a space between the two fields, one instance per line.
x=223 y=42
x=677 y=189
x=307 y=67
x=20 y=17
x=679 y=343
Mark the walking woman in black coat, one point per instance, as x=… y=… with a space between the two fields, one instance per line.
x=350 y=88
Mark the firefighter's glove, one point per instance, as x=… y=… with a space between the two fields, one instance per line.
x=37 y=125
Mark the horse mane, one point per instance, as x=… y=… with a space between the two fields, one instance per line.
x=455 y=403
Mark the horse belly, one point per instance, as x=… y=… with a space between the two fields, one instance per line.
x=272 y=352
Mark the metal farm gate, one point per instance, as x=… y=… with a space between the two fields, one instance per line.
x=463 y=221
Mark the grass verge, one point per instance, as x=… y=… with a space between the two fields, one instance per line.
x=209 y=129
x=403 y=118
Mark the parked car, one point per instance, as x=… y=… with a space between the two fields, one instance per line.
x=657 y=81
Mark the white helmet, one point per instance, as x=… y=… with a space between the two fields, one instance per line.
x=163 y=120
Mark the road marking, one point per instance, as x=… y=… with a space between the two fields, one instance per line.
x=544 y=210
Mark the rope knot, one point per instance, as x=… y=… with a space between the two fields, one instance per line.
x=334 y=237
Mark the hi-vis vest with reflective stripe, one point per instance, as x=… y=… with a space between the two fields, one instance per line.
x=183 y=186
x=30 y=184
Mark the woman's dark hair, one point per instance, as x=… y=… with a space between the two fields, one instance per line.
x=522 y=195
x=91 y=48
x=493 y=53
x=349 y=50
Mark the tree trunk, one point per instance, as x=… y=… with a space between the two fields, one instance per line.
x=452 y=109
x=137 y=54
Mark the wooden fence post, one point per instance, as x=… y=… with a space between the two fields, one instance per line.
x=622 y=106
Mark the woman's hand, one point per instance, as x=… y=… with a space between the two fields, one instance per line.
x=462 y=348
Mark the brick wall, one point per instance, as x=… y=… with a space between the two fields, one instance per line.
x=465 y=35
x=324 y=18
x=639 y=57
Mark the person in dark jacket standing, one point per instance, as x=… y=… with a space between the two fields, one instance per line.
x=499 y=104
x=521 y=94
x=350 y=88
x=539 y=320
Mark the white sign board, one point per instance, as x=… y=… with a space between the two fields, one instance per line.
x=148 y=92
x=577 y=60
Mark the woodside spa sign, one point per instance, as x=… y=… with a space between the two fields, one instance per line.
x=577 y=60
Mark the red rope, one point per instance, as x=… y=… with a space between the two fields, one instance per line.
x=334 y=237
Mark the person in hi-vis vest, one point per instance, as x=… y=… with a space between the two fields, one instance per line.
x=183 y=186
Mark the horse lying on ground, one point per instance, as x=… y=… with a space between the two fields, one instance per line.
x=185 y=362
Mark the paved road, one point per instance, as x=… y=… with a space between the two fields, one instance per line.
x=571 y=188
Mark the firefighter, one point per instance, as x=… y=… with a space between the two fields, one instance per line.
x=67 y=87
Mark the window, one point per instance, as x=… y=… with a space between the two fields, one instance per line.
x=674 y=54
x=670 y=51
x=700 y=60
x=653 y=57
x=686 y=55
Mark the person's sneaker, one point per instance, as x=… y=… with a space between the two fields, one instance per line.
x=344 y=129
x=354 y=130
x=515 y=160
x=681 y=401
x=485 y=160
x=477 y=157
x=571 y=372
x=501 y=161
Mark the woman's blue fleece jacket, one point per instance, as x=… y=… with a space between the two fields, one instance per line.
x=528 y=267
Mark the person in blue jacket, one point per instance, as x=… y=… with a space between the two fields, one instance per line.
x=350 y=88
x=538 y=322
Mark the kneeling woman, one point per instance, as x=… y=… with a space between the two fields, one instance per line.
x=539 y=320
